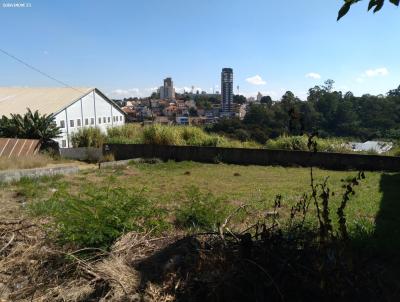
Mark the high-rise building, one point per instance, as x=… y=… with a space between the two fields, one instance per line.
x=167 y=91
x=226 y=91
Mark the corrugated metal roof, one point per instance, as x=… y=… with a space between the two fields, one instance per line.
x=45 y=100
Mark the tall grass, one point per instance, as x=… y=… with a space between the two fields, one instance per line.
x=171 y=135
x=88 y=137
x=195 y=136
x=127 y=132
x=25 y=162
x=300 y=143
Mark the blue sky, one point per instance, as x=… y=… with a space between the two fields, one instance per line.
x=128 y=47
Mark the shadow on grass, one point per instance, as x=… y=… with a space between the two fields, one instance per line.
x=278 y=267
x=387 y=223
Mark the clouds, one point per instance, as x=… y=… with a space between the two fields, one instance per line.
x=125 y=93
x=378 y=72
x=372 y=73
x=187 y=89
x=256 y=80
x=313 y=75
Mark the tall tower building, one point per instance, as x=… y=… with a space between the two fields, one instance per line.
x=167 y=91
x=227 y=91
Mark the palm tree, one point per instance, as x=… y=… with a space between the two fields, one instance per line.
x=31 y=125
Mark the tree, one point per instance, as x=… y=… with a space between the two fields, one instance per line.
x=267 y=100
x=375 y=4
x=239 y=99
x=193 y=111
x=328 y=85
x=30 y=126
x=394 y=92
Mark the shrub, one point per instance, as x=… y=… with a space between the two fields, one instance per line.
x=98 y=216
x=201 y=211
x=88 y=137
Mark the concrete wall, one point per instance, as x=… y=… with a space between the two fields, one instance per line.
x=89 y=154
x=337 y=161
x=16 y=175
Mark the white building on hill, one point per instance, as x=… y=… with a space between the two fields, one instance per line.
x=73 y=108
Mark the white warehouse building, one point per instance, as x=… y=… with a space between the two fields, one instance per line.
x=73 y=108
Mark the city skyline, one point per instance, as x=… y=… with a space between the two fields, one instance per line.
x=272 y=47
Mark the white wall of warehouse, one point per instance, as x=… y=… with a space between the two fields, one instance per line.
x=91 y=110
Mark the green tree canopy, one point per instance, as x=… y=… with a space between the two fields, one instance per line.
x=31 y=125
x=376 y=5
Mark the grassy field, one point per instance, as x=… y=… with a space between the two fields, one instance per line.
x=153 y=212
x=167 y=184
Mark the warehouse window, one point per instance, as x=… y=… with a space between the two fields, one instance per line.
x=109 y=119
x=120 y=118
x=92 y=121
x=62 y=124
x=78 y=122
x=86 y=121
x=104 y=120
x=71 y=123
x=99 y=120
x=64 y=143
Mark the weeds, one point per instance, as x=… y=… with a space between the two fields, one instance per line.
x=32 y=188
x=200 y=211
x=96 y=217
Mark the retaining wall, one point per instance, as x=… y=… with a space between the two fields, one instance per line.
x=16 y=175
x=242 y=156
x=87 y=154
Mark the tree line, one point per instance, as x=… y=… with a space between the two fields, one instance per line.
x=326 y=111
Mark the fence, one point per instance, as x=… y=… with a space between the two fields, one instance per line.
x=242 y=156
x=13 y=147
x=84 y=153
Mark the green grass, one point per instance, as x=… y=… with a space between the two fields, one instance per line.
x=166 y=185
x=98 y=215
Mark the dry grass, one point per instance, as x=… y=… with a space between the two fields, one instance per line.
x=26 y=162
x=33 y=268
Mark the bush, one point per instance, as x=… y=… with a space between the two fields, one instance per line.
x=98 y=216
x=88 y=137
x=201 y=211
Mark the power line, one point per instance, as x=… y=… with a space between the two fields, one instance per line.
x=37 y=70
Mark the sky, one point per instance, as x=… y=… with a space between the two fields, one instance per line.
x=126 y=48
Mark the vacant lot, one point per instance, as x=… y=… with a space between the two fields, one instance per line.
x=70 y=238
x=167 y=183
